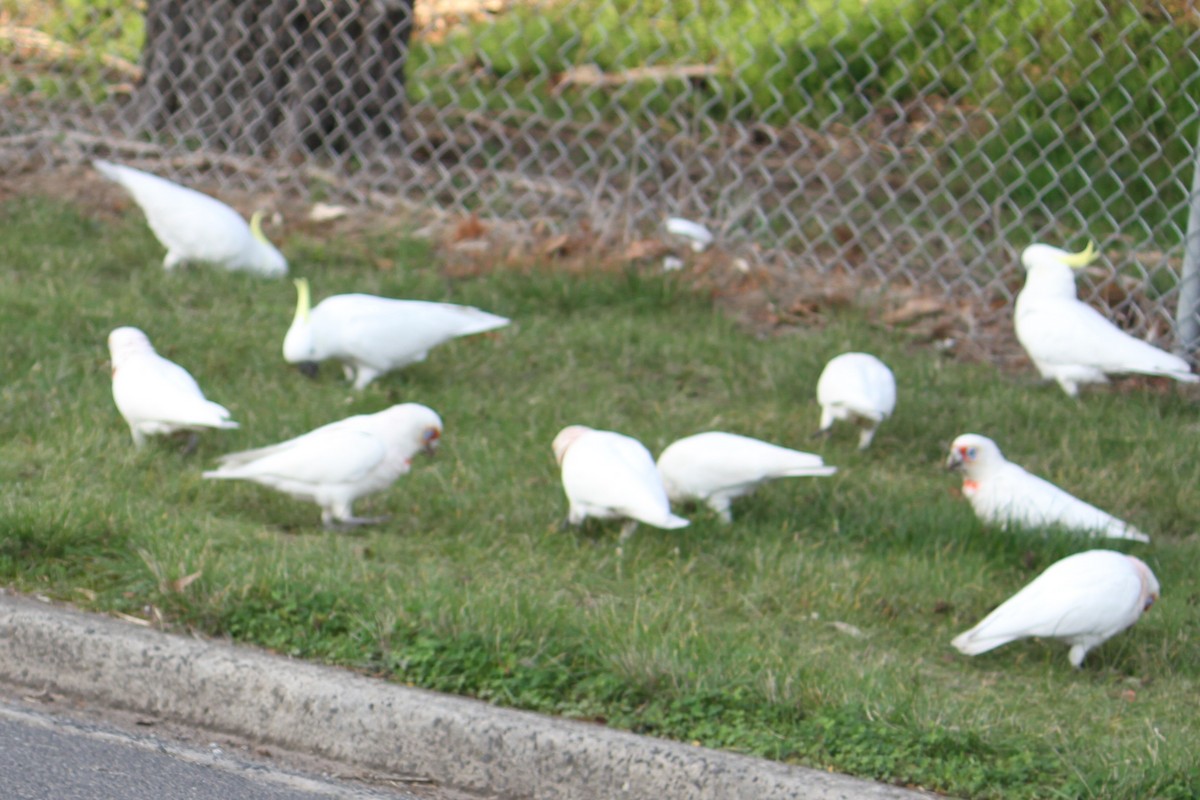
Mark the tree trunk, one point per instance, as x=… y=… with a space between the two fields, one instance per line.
x=267 y=77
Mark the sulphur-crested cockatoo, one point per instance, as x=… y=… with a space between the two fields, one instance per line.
x=1002 y=493
x=609 y=475
x=196 y=228
x=1083 y=600
x=857 y=387
x=154 y=395
x=1069 y=341
x=338 y=463
x=716 y=468
x=372 y=335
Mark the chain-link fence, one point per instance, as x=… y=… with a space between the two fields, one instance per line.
x=924 y=141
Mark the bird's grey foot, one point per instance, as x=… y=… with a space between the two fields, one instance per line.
x=627 y=530
x=864 y=438
x=343 y=524
x=189 y=446
x=822 y=433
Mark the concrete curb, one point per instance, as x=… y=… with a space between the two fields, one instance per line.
x=377 y=725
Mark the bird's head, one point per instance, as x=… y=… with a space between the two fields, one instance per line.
x=565 y=438
x=972 y=454
x=1150 y=587
x=298 y=345
x=267 y=258
x=127 y=341
x=1051 y=270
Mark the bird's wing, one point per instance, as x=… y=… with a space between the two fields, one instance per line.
x=324 y=456
x=153 y=388
x=1071 y=332
x=861 y=386
x=183 y=219
x=614 y=472
x=1073 y=597
x=722 y=460
x=389 y=333
x=1036 y=502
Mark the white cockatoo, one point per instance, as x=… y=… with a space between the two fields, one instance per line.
x=857 y=387
x=716 y=468
x=609 y=475
x=338 y=463
x=1003 y=493
x=1069 y=341
x=1083 y=600
x=196 y=228
x=372 y=335
x=154 y=395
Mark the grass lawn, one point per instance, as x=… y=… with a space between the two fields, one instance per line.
x=814 y=630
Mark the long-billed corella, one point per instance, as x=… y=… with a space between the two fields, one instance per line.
x=609 y=475
x=858 y=388
x=1083 y=600
x=155 y=395
x=716 y=468
x=1004 y=493
x=338 y=463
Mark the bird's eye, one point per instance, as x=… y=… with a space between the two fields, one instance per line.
x=970 y=452
x=431 y=434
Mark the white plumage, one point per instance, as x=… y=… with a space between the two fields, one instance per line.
x=372 y=335
x=338 y=463
x=609 y=475
x=716 y=468
x=857 y=387
x=1083 y=600
x=154 y=395
x=196 y=228
x=1069 y=341
x=1003 y=493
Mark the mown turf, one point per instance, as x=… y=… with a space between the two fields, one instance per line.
x=814 y=630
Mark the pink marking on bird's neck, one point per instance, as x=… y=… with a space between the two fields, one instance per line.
x=970 y=487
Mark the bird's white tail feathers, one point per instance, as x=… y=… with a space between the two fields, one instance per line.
x=482 y=321
x=108 y=170
x=809 y=472
x=976 y=641
x=670 y=523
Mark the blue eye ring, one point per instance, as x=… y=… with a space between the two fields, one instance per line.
x=970 y=452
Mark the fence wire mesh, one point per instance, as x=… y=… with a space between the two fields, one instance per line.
x=923 y=141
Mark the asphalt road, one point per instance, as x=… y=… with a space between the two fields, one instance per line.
x=61 y=755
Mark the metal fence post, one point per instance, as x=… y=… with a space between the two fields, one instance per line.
x=1187 y=315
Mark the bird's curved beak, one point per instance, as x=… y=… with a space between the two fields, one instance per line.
x=432 y=437
x=1082 y=258
x=955 y=460
x=308 y=369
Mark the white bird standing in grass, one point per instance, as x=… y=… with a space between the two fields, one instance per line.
x=609 y=475
x=1083 y=600
x=196 y=228
x=1003 y=493
x=338 y=463
x=1069 y=341
x=857 y=387
x=154 y=395
x=372 y=335
x=716 y=468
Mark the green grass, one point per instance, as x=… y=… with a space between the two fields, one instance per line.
x=721 y=635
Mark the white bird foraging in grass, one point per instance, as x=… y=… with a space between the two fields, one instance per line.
x=338 y=463
x=609 y=475
x=372 y=335
x=857 y=387
x=1083 y=600
x=716 y=468
x=1003 y=493
x=1069 y=341
x=196 y=228
x=154 y=395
